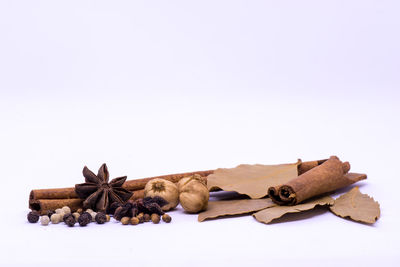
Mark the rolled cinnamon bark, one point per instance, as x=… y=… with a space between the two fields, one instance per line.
x=327 y=177
x=45 y=205
x=133 y=185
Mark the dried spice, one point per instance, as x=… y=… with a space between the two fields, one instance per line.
x=146 y=217
x=327 y=177
x=33 y=217
x=56 y=218
x=166 y=218
x=44 y=220
x=156 y=199
x=234 y=207
x=252 y=180
x=50 y=212
x=155 y=218
x=129 y=209
x=98 y=193
x=193 y=194
x=125 y=220
x=111 y=209
x=275 y=212
x=134 y=221
x=101 y=218
x=69 y=219
x=357 y=206
x=84 y=219
x=165 y=189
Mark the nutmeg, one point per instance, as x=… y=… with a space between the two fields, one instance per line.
x=165 y=189
x=193 y=194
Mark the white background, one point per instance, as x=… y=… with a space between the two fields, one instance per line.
x=158 y=87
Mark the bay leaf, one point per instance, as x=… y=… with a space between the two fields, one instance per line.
x=359 y=207
x=252 y=180
x=275 y=212
x=234 y=207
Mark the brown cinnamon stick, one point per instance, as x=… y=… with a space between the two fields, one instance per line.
x=44 y=205
x=327 y=177
x=131 y=185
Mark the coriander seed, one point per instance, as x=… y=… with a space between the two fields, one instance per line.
x=33 y=217
x=125 y=220
x=166 y=218
x=44 y=220
x=155 y=218
x=79 y=211
x=108 y=218
x=147 y=217
x=134 y=221
x=140 y=217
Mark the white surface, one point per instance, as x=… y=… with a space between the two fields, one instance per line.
x=161 y=87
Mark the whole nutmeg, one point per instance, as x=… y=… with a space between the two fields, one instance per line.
x=165 y=189
x=193 y=195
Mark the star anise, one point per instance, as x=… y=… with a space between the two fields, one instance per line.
x=98 y=193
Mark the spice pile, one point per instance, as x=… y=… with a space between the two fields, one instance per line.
x=270 y=191
x=64 y=215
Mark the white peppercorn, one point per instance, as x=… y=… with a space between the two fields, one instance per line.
x=66 y=210
x=44 y=220
x=76 y=215
x=93 y=215
x=59 y=211
x=56 y=218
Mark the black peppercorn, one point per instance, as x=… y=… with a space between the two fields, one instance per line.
x=100 y=218
x=84 y=219
x=33 y=217
x=69 y=219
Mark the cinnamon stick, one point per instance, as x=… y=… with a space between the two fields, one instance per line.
x=44 y=205
x=327 y=177
x=131 y=185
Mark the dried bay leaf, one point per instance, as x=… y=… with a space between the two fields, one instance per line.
x=359 y=207
x=234 y=207
x=275 y=212
x=252 y=180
